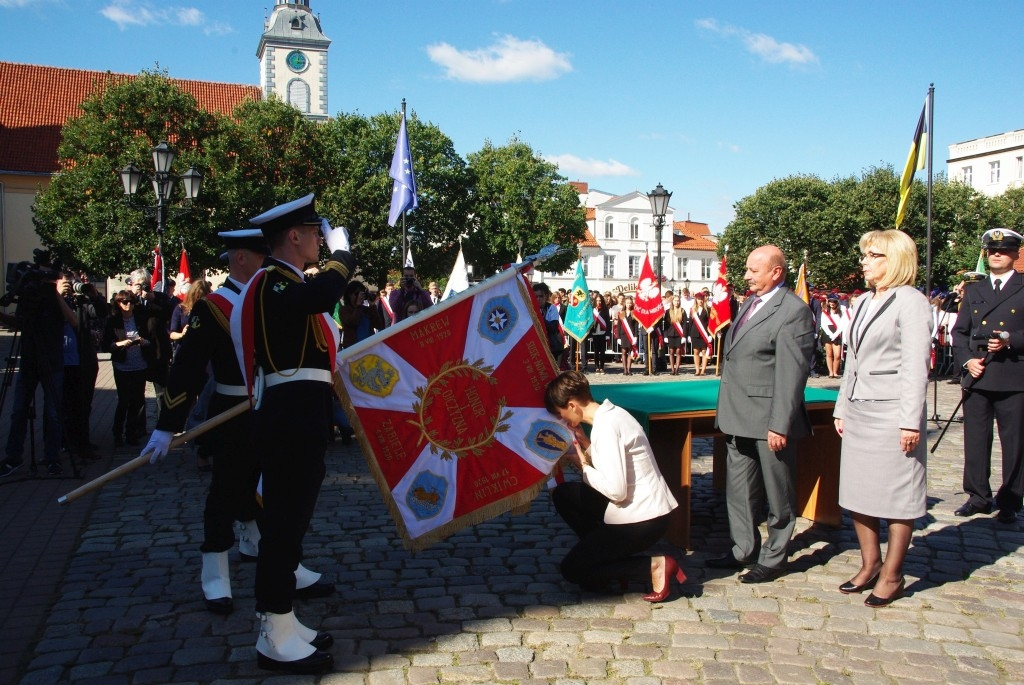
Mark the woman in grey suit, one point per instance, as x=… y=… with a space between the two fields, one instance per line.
x=880 y=413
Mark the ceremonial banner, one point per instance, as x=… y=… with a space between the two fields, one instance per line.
x=721 y=309
x=579 y=313
x=156 y=283
x=449 y=409
x=801 y=290
x=648 y=307
x=184 y=275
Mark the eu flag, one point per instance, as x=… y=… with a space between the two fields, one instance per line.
x=403 y=195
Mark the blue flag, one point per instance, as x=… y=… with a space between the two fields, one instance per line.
x=579 y=314
x=403 y=195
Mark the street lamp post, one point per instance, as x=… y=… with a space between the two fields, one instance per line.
x=163 y=187
x=659 y=198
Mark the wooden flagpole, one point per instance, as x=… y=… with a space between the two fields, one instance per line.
x=138 y=461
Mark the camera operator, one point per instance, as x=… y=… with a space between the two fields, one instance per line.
x=409 y=290
x=40 y=315
x=81 y=366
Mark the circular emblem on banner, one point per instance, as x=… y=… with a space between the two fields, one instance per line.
x=458 y=411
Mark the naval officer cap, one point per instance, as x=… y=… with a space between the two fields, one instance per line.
x=244 y=239
x=295 y=213
x=1001 y=238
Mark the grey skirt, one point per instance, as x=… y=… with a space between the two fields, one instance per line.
x=876 y=477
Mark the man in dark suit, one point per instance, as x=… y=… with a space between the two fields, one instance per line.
x=987 y=338
x=761 y=411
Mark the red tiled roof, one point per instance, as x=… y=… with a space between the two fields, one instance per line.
x=580 y=186
x=688 y=241
x=693 y=228
x=36 y=101
x=591 y=213
x=589 y=240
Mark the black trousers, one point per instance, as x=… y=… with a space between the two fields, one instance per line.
x=236 y=473
x=600 y=345
x=605 y=551
x=130 y=413
x=1007 y=409
x=290 y=433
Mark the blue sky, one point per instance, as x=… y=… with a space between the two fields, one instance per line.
x=711 y=99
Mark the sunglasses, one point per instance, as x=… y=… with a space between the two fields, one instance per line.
x=1000 y=250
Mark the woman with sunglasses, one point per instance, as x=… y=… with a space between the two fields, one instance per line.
x=123 y=338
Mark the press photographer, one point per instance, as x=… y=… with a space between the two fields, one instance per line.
x=40 y=317
x=81 y=366
x=408 y=291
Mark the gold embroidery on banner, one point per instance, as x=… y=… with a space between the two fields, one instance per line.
x=471 y=419
x=374 y=376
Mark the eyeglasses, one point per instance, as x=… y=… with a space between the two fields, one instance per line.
x=871 y=255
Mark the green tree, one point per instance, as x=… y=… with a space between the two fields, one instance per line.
x=359 y=196
x=520 y=202
x=81 y=216
x=797 y=214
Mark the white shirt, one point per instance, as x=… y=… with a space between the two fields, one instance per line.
x=623 y=468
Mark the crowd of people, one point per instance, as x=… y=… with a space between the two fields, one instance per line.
x=269 y=338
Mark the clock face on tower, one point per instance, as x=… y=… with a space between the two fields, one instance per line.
x=297 y=61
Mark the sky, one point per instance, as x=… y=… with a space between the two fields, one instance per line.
x=711 y=99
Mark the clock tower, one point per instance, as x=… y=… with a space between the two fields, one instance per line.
x=293 y=58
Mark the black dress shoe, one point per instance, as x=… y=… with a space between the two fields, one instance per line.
x=762 y=574
x=322 y=640
x=317 y=662
x=848 y=588
x=320 y=588
x=1007 y=516
x=875 y=601
x=221 y=606
x=729 y=561
x=970 y=509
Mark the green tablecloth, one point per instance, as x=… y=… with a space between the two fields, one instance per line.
x=643 y=399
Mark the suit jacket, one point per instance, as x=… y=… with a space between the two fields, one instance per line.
x=766 y=370
x=981 y=313
x=888 y=354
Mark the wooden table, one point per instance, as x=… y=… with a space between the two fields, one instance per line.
x=674 y=413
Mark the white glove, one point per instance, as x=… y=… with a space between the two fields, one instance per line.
x=158 y=446
x=337 y=238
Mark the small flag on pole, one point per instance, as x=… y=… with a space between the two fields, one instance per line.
x=184 y=279
x=579 y=313
x=916 y=159
x=801 y=290
x=409 y=264
x=156 y=280
x=721 y=310
x=403 y=193
x=459 y=280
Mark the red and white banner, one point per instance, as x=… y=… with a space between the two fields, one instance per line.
x=448 y=406
x=721 y=309
x=648 y=305
x=184 y=279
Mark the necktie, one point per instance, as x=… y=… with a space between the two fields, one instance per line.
x=997 y=284
x=747 y=314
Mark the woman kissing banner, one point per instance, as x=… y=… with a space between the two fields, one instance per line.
x=448 y=406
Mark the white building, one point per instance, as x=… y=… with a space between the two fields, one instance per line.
x=990 y=165
x=620 y=231
x=293 y=58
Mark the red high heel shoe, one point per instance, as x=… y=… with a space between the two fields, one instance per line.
x=671 y=569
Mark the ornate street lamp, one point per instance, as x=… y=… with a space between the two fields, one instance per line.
x=659 y=198
x=163 y=188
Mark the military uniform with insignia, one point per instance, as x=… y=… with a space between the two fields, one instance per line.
x=289 y=348
x=991 y=322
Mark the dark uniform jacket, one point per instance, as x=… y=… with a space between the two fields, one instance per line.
x=981 y=313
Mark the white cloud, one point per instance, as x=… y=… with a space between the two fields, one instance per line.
x=127 y=13
x=507 y=59
x=764 y=46
x=729 y=147
x=571 y=164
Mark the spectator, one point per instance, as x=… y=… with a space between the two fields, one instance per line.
x=124 y=337
x=410 y=291
x=81 y=366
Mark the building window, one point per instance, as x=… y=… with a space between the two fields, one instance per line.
x=298 y=95
x=659 y=268
x=609 y=228
x=634 y=229
x=968 y=175
x=682 y=268
x=609 y=266
x=1020 y=168
x=634 y=266
x=993 y=172
x=586 y=266
x=705 y=269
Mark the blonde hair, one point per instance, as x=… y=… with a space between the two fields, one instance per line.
x=196 y=291
x=900 y=252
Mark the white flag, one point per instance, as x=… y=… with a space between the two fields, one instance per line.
x=459 y=280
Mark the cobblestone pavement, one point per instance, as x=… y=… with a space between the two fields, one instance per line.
x=123 y=603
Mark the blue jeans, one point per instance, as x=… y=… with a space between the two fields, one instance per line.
x=29 y=376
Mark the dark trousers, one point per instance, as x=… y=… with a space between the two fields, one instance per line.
x=79 y=387
x=600 y=345
x=130 y=413
x=30 y=376
x=1007 y=409
x=605 y=551
x=290 y=437
x=236 y=473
